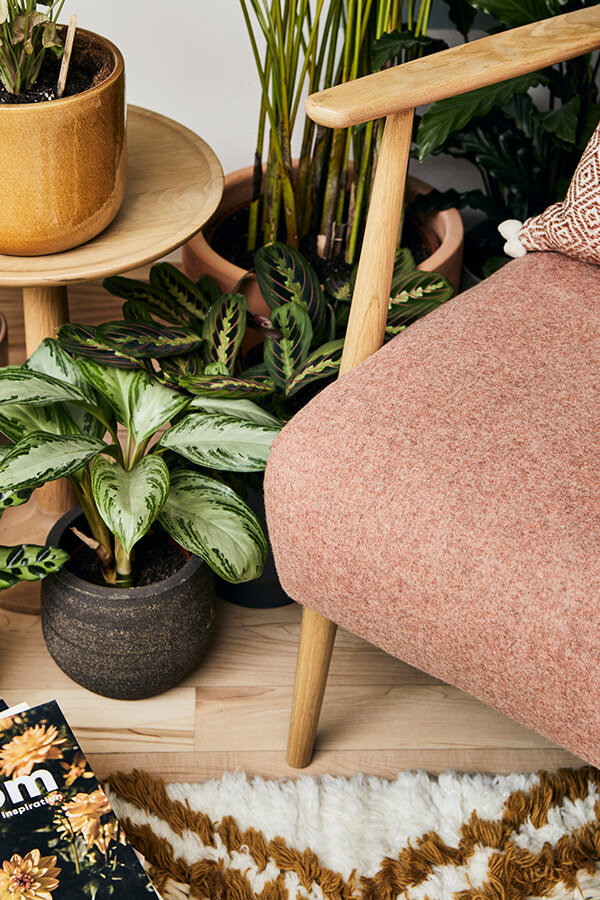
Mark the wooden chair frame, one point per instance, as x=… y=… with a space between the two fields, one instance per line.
x=394 y=94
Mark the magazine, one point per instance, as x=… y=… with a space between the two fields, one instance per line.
x=59 y=837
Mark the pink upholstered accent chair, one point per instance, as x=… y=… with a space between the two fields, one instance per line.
x=442 y=499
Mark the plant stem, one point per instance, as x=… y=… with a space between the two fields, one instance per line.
x=124 y=568
x=100 y=532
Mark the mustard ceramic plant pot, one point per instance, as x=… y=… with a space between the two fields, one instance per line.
x=63 y=162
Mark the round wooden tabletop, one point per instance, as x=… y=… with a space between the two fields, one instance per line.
x=174 y=185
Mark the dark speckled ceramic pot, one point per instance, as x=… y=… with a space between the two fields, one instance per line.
x=127 y=643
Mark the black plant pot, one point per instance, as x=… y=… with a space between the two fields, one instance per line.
x=127 y=643
x=264 y=592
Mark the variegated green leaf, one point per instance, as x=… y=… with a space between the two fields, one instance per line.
x=51 y=359
x=21 y=385
x=224 y=330
x=151 y=405
x=28 y=563
x=18 y=420
x=130 y=501
x=210 y=520
x=39 y=458
x=227 y=386
x=284 y=355
x=323 y=363
x=239 y=409
x=148 y=340
x=114 y=384
x=286 y=277
x=190 y=297
x=12 y=498
x=81 y=341
x=221 y=442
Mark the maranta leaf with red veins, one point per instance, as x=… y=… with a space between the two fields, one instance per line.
x=148 y=340
x=224 y=330
x=225 y=386
x=157 y=302
x=188 y=295
x=340 y=287
x=284 y=355
x=285 y=277
x=417 y=294
x=323 y=363
x=81 y=340
x=404 y=265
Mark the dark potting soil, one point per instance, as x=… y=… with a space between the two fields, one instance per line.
x=156 y=558
x=89 y=66
x=230 y=236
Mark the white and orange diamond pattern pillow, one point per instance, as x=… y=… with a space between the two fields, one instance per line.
x=571 y=227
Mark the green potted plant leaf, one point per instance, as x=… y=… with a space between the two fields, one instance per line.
x=524 y=145
x=205 y=342
x=130 y=612
x=318 y=203
x=72 y=176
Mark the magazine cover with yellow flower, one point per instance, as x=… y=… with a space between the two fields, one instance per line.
x=59 y=838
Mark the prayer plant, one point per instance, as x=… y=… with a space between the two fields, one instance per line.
x=171 y=467
x=26 y=35
x=193 y=337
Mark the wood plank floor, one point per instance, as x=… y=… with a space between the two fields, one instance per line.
x=379 y=714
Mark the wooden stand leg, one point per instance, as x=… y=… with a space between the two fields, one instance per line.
x=45 y=309
x=314 y=656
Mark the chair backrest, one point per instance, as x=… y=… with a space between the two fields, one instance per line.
x=395 y=93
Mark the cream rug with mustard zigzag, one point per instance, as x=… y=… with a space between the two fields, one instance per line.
x=455 y=837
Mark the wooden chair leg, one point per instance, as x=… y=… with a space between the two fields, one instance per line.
x=314 y=656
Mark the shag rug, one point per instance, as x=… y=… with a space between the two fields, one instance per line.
x=455 y=837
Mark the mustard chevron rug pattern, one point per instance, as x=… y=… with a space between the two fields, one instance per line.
x=452 y=837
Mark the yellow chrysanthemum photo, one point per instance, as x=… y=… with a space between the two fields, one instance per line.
x=30 y=877
x=85 y=813
x=33 y=747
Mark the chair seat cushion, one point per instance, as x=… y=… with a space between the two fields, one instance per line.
x=443 y=499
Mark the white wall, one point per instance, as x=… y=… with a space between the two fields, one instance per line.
x=189 y=59
x=193 y=63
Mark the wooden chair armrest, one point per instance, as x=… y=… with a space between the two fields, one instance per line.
x=464 y=68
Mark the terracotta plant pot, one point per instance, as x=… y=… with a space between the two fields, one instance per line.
x=63 y=162
x=444 y=229
x=127 y=643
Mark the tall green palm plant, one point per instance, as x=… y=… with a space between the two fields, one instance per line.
x=309 y=47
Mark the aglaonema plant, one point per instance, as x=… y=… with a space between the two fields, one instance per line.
x=27 y=34
x=63 y=415
x=193 y=336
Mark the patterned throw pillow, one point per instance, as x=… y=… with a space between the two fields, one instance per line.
x=571 y=227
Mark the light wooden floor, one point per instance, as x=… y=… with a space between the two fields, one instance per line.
x=379 y=715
